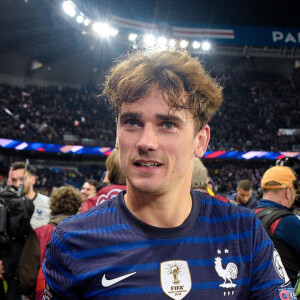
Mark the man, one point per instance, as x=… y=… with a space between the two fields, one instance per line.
x=41 y=214
x=243 y=195
x=160 y=239
x=65 y=202
x=200 y=179
x=89 y=189
x=279 y=187
x=116 y=182
x=34 y=210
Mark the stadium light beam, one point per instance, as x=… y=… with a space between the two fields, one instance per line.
x=183 y=44
x=101 y=29
x=105 y=30
x=69 y=8
x=86 y=22
x=206 y=46
x=113 y=31
x=79 y=19
x=132 y=37
x=149 y=40
x=162 y=43
x=196 y=45
x=172 y=43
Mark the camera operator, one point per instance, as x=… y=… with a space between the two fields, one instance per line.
x=27 y=175
x=279 y=189
x=22 y=210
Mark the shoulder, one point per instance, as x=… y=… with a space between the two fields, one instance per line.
x=292 y=221
x=42 y=198
x=252 y=203
x=231 y=196
x=215 y=204
x=111 y=190
x=214 y=209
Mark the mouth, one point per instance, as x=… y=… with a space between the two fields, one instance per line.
x=147 y=164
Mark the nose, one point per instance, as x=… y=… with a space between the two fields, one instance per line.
x=148 y=140
x=16 y=183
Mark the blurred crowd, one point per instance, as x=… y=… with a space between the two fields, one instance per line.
x=256 y=106
x=52 y=115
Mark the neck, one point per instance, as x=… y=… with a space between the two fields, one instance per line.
x=277 y=197
x=31 y=194
x=165 y=211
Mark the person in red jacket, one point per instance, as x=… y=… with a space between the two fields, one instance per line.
x=65 y=202
x=116 y=179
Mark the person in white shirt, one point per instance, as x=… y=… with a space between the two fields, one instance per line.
x=41 y=214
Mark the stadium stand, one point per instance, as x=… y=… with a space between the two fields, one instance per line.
x=256 y=106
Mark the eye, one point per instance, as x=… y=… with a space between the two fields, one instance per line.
x=132 y=122
x=168 y=125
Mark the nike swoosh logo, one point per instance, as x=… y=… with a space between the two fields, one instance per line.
x=108 y=282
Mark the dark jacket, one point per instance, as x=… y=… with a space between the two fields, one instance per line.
x=252 y=203
x=30 y=260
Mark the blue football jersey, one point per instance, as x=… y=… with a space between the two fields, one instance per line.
x=220 y=252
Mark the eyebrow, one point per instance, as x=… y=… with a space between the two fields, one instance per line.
x=169 y=118
x=129 y=115
x=158 y=116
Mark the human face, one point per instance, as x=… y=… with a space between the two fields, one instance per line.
x=87 y=190
x=157 y=145
x=243 y=196
x=18 y=176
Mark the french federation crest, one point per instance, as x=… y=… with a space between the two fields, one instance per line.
x=175 y=278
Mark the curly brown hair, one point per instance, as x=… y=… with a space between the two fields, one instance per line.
x=174 y=73
x=66 y=200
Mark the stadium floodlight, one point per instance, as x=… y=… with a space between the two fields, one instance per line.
x=101 y=29
x=86 y=22
x=69 y=8
x=206 y=46
x=104 y=30
x=172 y=43
x=183 y=44
x=196 y=45
x=149 y=40
x=162 y=43
x=79 y=19
x=113 y=31
x=132 y=37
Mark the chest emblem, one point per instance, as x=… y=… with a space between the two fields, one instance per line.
x=175 y=278
x=228 y=272
x=39 y=212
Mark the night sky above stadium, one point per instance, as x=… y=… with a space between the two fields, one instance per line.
x=272 y=13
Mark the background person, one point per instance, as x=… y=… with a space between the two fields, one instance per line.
x=243 y=195
x=41 y=214
x=89 y=188
x=65 y=202
x=115 y=182
x=279 y=187
x=200 y=179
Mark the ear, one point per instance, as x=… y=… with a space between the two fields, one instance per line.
x=286 y=193
x=32 y=179
x=202 y=139
x=117 y=143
